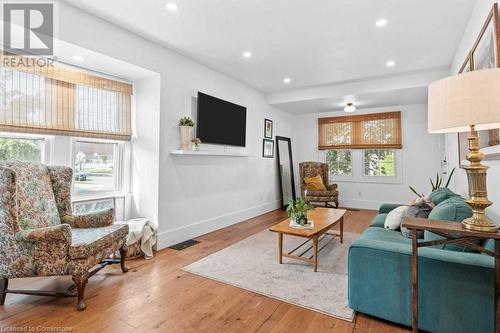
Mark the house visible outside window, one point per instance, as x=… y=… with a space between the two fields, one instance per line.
x=361 y=145
x=339 y=162
x=96 y=167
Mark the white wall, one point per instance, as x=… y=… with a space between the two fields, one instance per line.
x=419 y=158
x=196 y=194
x=478 y=17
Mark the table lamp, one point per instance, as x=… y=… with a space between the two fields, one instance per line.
x=462 y=103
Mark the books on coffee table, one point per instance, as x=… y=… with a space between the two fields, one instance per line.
x=295 y=225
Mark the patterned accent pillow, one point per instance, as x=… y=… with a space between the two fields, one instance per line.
x=421 y=209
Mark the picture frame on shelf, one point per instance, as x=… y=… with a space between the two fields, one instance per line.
x=268 y=128
x=485 y=54
x=267 y=148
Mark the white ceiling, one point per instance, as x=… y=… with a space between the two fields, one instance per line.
x=313 y=42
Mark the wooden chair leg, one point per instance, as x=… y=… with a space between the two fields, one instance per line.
x=336 y=203
x=80 y=282
x=4 y=284
x=123 y=255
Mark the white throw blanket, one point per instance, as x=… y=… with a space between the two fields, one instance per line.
x=144 y=231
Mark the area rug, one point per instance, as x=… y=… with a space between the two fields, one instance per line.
x=252 y=264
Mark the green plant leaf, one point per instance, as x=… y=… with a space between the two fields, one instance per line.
x=449 y=178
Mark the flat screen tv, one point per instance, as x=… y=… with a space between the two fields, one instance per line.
x=221 y=122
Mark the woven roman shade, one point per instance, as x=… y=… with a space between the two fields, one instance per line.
x=374 y=130
x=57 y=99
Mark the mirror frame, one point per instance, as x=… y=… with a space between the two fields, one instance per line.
x=288 y=140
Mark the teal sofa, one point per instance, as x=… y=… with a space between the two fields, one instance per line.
x=456 y=286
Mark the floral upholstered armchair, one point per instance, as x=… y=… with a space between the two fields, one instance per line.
x=40 y=236
x=312 y=169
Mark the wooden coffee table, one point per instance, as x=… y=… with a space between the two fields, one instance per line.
x=324 y=220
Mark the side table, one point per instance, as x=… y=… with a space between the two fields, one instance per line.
x=449 y=231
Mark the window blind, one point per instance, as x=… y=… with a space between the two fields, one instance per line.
x=375 y=130
x=62 y=100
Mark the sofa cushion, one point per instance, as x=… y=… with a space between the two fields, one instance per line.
x=441 y=194
x=378 y=221
x=88 y=242
x=451 y=209
x=36 y=204
x=381 y=234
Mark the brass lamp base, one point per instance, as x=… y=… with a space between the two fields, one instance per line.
x=476 y=175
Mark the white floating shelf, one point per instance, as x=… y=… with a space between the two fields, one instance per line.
x=208 y=153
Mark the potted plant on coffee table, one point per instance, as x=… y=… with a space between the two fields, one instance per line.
x=297 y=210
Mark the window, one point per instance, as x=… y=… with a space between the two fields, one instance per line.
x=373 y=130
x=22 y=149
x=379 y=162
x=96 y=167
x=62 y=100
x=339 y=162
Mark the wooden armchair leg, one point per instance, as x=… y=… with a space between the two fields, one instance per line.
x=336 y=203
x=123 y=255
x=80 y=282
x=4 y=284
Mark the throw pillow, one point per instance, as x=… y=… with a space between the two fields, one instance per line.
x=441 y=194
x=395 y=217
x=314 y=183
x=452 y=209
x=420 y=209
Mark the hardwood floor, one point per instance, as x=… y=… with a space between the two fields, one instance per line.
x=157 y=296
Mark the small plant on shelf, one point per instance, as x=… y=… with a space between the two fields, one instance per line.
x=186 y=121
x=297 y=210
x=435 y=184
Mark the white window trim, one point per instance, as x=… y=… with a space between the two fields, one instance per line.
x=117 y=159
x=46 y=157
x=358 y=176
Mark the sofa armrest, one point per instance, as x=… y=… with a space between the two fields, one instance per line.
x=387 y=207
x=93 y=220
x=61 y=232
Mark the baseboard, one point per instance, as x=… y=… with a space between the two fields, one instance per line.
x=178 y=235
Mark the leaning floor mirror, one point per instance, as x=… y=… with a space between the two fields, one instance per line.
x=285 y=169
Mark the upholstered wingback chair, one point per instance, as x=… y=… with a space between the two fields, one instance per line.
x=312 y=169
x=40 y=236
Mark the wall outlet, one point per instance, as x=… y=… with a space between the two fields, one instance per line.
x=261 y=198
x=360 y=194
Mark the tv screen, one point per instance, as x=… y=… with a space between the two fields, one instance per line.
x=221 y=122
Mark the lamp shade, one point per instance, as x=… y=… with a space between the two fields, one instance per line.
x=457 y=102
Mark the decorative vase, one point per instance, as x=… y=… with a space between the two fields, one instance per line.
x=186 y=135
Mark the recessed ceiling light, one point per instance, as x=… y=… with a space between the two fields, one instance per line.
x=287 y=80
x=172 y=6
x=350 y=107
x=390 y=63
x=77 y=58
x=381 y=22
x=247 y=54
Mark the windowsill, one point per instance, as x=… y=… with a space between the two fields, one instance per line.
x=98 y=196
